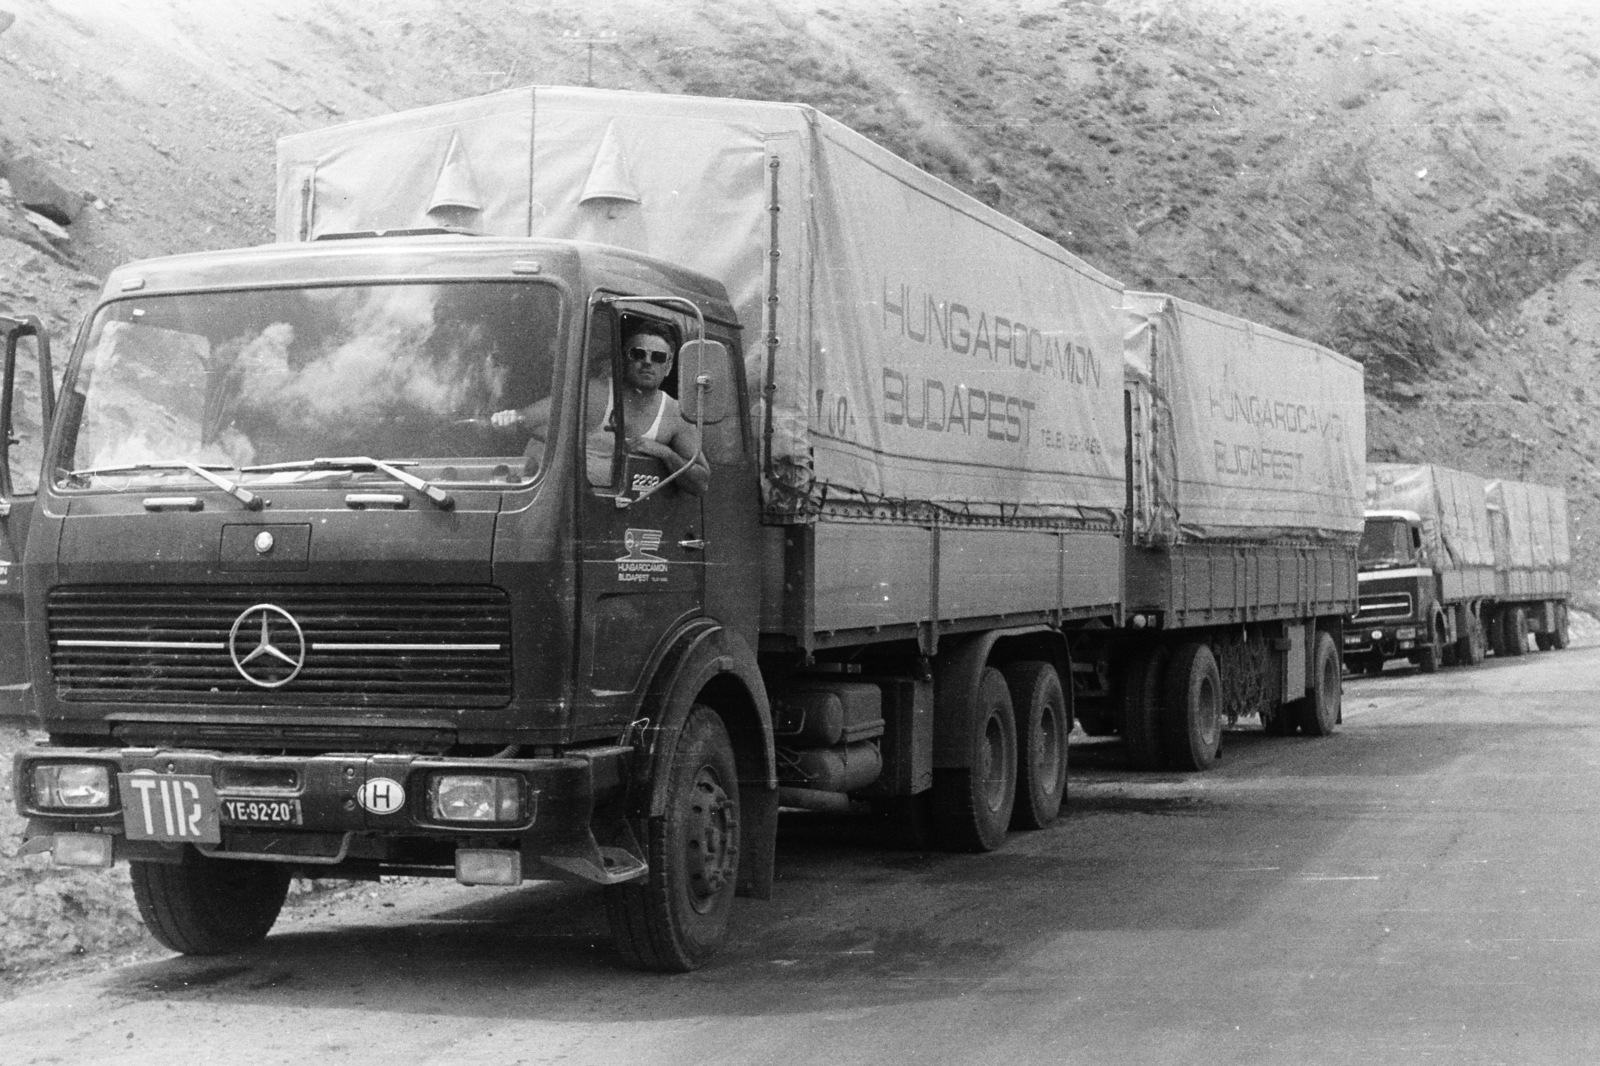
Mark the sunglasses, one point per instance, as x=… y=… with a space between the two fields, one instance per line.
x=640 y=355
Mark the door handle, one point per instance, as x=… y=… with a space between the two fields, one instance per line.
x=692 y=545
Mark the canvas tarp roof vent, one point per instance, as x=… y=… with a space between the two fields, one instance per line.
x=608 y=181
x=456 y=189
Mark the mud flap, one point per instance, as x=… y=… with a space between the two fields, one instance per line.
x=758 y=840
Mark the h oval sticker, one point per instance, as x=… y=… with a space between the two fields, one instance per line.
x=382 y=795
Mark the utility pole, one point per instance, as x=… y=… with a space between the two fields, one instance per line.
x=604 y=38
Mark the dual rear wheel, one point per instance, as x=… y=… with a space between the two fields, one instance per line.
x=1171 y=704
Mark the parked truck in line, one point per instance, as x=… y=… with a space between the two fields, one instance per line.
x=1454 y=565
x=293 y=601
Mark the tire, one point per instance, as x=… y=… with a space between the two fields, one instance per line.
x=1319 y=710
x=1544 y=641
x=1562 y=637
x=1514 y=631
x=1140 y=711
x=1430 y=655
x=972 y=805
x=1472 y=645
x=205 y=906
x=1193 y=708
x=674 y=918
x=1042 y=727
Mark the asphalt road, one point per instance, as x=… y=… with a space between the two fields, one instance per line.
x=1422 y=887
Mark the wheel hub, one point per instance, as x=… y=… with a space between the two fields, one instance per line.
x=713 y=845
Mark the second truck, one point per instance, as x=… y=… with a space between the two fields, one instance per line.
x=1454 y=565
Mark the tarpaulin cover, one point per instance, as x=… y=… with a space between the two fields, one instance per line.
x=923 y=348
x=1534 y=530
x=1240 y=432
x=1458 y=533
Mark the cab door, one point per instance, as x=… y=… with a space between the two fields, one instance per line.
x=642 y=551
x=26 y=408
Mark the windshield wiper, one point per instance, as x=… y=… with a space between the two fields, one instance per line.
x=251 y=501
x=439 y=498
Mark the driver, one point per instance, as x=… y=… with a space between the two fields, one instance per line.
x=653 y=424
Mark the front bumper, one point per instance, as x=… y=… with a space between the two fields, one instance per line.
x=1386 y=641
x=572 y=813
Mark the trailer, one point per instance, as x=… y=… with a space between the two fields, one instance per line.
x=1245 y=452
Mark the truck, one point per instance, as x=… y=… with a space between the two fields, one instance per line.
x=1454 y=565
x=291 y=598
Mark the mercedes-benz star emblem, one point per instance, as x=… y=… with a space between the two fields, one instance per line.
x=267 y=664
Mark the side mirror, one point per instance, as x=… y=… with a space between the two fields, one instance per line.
x=705 y=383
x=27 y=404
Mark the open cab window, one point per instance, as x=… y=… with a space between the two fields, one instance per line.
x=410 y=373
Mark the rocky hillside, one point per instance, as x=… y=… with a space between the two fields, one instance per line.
x=1413 y=182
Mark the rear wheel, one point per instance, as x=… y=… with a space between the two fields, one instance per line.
x=1471 y=645
x=1042 y=728
x=204 y=906
x=1562 y=637
x=674 y=918
x=1142 y=691
x=1319 y=710
x=1514 y=631
x=972 y=804
x=1193 y=717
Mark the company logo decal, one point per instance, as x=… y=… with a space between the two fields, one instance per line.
x=267 y=646
x=642 y=563
x=382 y=795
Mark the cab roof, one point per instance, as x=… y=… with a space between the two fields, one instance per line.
x=414 y=257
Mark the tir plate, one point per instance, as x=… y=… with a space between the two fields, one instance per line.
x=177 y=808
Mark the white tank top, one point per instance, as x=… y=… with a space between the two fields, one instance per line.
x=655 y=427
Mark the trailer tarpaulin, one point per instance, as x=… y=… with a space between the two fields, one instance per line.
x=1532 y=522
x=1240 y=432
x=1450 y=502
x=922 y=349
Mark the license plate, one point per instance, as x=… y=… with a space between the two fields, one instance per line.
x=179 y=808
x=261 y=811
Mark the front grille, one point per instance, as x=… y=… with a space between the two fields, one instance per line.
x=363 y=645
x=1389 y=605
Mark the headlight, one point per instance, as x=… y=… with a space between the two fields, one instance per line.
x=74 y=786
x=1377 y=634
x=1406 y=633
x=495 y=798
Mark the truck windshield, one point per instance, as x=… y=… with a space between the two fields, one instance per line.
x=1385 y=542
x=410 y=373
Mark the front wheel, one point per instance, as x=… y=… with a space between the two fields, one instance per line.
x=1193 y=717
x=972 y=804
x=1431 y=655
x=1140 y=709
x=1319 y=711
x=204 y=906
x=674 y=918
x=1042 y=728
